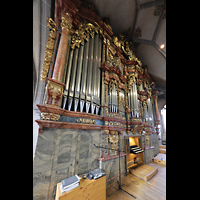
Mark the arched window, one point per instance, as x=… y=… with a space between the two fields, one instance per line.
x=163 y=113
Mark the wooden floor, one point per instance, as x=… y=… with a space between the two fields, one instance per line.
x=154 y=189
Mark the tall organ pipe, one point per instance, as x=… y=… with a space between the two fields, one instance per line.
x=89 y=75
x=135 y=99
x=68 y=77
x=94 y=74
x=84 y=75
x=98 y=76
x=72 y=79
x=132 y=114
x=78 y=78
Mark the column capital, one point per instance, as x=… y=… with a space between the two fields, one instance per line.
x=66 y=21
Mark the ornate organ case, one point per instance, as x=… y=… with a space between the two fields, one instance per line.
x=94 y=80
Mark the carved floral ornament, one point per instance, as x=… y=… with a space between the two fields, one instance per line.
x=83 y=32
x=66 y=22
x=86 y=121
x=49 y=48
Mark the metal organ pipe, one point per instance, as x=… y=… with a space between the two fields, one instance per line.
x=94 y=74
x=114 y=99
x=98 y=76
x=78 y=78
x=67 y=79
x=135 y=99
x=132 y=99
x=89 y=75
x=72 y=79
x=84 y=75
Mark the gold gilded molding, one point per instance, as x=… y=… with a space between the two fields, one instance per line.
x=137 y=128
x=86 y=121
x=54 y=91
x=49 y=49
x=113 y=139
x=50 y=116
x=66 y=24
x=83 y=32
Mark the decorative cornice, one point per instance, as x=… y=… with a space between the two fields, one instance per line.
x=85 y=120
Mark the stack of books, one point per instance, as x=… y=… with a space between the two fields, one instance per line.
x=69 y=183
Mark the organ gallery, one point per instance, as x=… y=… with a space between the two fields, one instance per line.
x=99 y=102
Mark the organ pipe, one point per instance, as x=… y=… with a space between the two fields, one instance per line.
x=78 y=77
x=84 y=75
x=68 y=77
x=94 y=74
x=98 y=75
x=72 y=79
x=82 y=79
x=89 y=75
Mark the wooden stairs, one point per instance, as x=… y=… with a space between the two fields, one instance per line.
x=160 y=158
x=162 y=149
x=144 y=172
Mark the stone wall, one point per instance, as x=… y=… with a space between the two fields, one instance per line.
x=62 y=153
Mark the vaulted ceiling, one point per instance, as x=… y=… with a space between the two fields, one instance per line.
x=146 y=22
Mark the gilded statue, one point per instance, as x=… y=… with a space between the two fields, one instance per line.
x=121 y=42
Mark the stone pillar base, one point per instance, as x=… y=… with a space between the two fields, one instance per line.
x=54 y=91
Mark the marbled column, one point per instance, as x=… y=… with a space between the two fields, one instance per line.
x=156 y=107
x=55 y=86
x=60 y=59
x=157 y=113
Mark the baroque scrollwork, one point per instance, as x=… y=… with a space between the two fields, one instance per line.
x=54 y=91
x=50 y=116
x=49 y=48
x=138 y=128
x=113 y=139
x=66 y=24
x=131 y=78
x=86 y=121
x=83 y=32
x=111 y=84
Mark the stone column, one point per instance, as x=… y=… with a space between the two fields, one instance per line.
x=55 y=86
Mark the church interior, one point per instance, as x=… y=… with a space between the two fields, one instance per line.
x=99 y=99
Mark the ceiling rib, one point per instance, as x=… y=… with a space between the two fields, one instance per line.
x=152 y=42
x=150 y=4
x=143 y=41
x=158 y=25
x=136 y=16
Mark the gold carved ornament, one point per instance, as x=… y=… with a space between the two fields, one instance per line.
x=49 y=49
x=83 y=32
x=50 y=116
x=137 y=128
x=86 y=121
x=131 y=78
x=66 y=24
x=56 y=91
x=111 y=84
x=113 y=139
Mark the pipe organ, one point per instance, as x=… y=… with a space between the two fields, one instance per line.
x=98 y=72
x=95 y=85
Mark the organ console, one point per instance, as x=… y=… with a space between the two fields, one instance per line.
x=135 y=149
